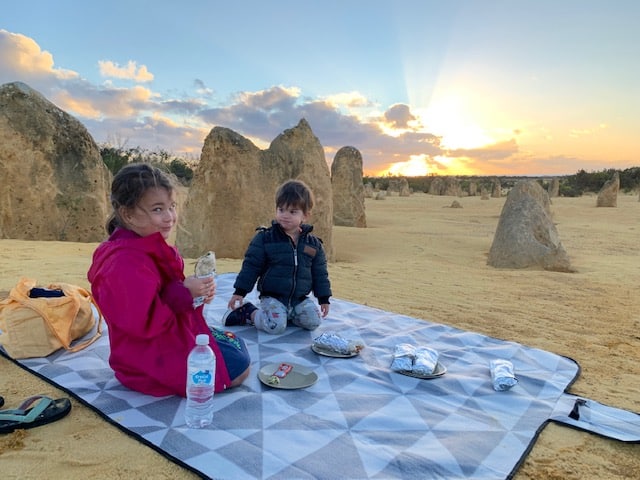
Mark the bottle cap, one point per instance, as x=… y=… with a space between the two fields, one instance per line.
x=202 y=339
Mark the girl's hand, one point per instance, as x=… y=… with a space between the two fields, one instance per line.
x=212 y=290
x=324 y=309
x=201 y=287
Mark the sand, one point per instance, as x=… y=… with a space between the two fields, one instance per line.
x=416 y=257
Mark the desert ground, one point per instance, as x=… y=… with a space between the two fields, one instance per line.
x=421 y=258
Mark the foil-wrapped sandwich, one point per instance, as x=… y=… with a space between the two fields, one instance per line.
x=417 y=360
x=332 y=342
x=502 y=375
x=425 y=361
x=206 y=265
x=403 y=356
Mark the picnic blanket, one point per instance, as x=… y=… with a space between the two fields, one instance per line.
x=360 y=419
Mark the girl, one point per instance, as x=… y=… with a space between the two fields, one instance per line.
x=138 y=282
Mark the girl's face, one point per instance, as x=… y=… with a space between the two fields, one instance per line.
x=155 y=212
x=290 y=218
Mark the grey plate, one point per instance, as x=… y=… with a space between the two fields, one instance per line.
x=438 y=372
x=327 y=352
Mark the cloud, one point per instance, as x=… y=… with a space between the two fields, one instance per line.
x=87 y=100
x=151 y=120
x=149 y=132
x=351 y=100
x=159 y=120
x=265 y=114
x=580 y=132
x=23 y=60
x=201 y=89
x=557 y=165
x=399 y=116
x=22 y=54
x=489 y=152
x=185 y=106
x=129 y=72
x=586 y=132
x=496 y=158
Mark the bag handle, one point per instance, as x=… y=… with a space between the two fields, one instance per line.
x=84 y=292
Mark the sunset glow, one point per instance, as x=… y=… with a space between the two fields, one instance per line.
x=453 y=118
x=415 y=167
x=427 y=88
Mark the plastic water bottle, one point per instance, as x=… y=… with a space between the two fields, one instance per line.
x=201 y=376
x=205 y=268
x=200 y=300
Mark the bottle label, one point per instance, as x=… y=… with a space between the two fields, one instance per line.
x=202 y=377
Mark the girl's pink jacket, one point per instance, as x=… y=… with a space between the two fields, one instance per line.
x=137 y=283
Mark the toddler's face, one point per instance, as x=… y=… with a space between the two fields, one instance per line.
x=290 y=218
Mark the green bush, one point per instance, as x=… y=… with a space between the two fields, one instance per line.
x=117 y=157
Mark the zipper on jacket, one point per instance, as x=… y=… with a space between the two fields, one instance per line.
x=295 y=271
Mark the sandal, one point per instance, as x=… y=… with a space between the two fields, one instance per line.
x=34 y=411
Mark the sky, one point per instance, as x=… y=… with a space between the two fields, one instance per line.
x=419 y=87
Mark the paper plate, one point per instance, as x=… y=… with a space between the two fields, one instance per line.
x=327 y=352
x=298 y=377
x=438 y=372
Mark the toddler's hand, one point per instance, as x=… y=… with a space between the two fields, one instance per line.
x=235 y=302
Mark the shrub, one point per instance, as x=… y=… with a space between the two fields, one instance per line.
x=117 y=157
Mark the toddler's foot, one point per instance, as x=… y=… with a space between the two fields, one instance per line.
x=239 y=316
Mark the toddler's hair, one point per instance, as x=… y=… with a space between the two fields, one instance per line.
x=295 y=193
x=130 y=184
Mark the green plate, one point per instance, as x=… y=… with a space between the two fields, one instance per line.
x=299 y=377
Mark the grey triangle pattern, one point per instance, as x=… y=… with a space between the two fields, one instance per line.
x=181 y=445
x=333 y=457
x=360 y=420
